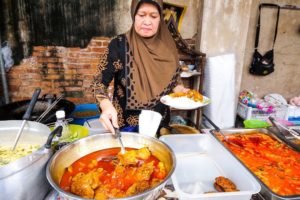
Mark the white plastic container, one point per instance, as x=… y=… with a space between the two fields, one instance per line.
x=94 y=126
x=246 y=112
x=200 y=159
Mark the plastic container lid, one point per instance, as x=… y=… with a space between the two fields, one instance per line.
x=254 y=123
x=60 y=114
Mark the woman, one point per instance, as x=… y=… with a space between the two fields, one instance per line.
x=144 y=66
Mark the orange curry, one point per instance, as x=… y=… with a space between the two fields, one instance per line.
x=273 y=162
x=108 y=174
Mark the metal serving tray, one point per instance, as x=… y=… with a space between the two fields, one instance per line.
x=265 y=190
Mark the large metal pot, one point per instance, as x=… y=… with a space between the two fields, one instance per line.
x=69 y=154
x=16 y=110
x=25 y=178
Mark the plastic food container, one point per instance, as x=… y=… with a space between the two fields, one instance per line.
x=94 y=126
x=84 y=112
x=200 y=159
x=76 y=132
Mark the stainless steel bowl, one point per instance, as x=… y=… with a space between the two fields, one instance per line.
x=69 y=154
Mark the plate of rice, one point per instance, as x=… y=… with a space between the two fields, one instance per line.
x=185 y=101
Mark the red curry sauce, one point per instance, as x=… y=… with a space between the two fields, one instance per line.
x=273 y=162
x=94 y=161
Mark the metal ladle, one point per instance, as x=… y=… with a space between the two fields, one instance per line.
x=118 y=135
x=216 y=127
x=27 y=115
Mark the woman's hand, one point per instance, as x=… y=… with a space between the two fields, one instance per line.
x=180 y=88
x=109 y=116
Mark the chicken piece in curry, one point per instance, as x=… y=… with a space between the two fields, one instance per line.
x=120 y=176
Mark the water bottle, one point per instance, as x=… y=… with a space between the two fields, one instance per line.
x=61 y=121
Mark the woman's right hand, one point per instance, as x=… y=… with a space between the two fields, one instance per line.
x=109 y=116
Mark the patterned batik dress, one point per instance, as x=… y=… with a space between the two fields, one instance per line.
x=115 y=65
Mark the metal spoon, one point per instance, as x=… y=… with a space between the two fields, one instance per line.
x=27 y=115
x=118 y=135
x=217 y=129
x=277 y=124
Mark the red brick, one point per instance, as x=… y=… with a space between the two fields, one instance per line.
x=74 y=49
x=70 y=71
x=54 y=65
x=105 y=44
x=72 y=60
x=101 y=38
x=96 y=43
x=86 y=71
x=37 y=54
x=88 y=49
x=71 y=54
x=73 y=89
x=52 y=77
x=90 y=55
x=98 y=49
x=39 y=48
x=33 y=70
x=71 y=66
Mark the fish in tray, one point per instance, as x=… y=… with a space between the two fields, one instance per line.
x=274 y=163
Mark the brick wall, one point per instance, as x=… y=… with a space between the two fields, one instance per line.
x=58 y=70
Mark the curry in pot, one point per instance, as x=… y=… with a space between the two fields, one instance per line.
x=108 y=174
x=272 y=161
x=7 y=155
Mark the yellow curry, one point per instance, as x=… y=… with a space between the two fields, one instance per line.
x=7 y=155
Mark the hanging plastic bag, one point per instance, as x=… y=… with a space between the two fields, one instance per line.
x=7 y=56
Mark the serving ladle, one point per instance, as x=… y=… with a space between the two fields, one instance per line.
x=118 y=135
x=27 y=115
x=217 y=129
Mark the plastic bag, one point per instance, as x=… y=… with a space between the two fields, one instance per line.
x=7 y=56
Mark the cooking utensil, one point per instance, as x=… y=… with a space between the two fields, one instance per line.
x=16 y=110
x=285 y=134
x=49 y=108
x=215 y=127
x=289 y=130
x=118 y=135
x=27 y=174
x=27 y=115
x=72 y=152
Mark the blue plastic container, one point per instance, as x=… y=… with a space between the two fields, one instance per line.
x=84 y=112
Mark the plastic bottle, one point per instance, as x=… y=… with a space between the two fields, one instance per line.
x=61 y=121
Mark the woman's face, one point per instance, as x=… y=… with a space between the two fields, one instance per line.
x=146 y=20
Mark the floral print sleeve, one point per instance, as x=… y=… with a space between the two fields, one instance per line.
x=105 y=71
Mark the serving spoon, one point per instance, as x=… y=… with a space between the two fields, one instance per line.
x=27 y=115
x=217 y=129
x=118 y=135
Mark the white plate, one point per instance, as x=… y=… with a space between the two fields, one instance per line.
x=189 y=74
x=183 y=103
